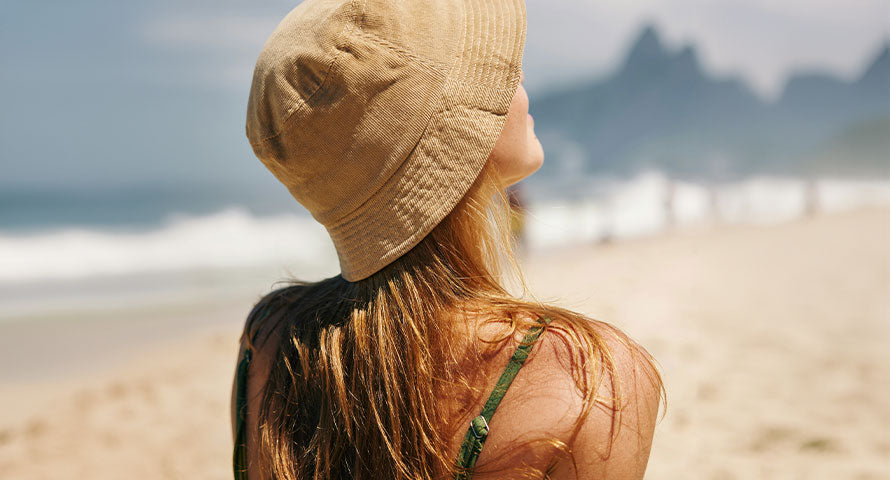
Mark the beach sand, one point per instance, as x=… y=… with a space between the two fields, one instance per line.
x=774 y=343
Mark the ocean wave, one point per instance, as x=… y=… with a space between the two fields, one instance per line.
x=652 y=202
x=234 y=238
x=230 y=238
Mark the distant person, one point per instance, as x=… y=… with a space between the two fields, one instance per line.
x=811 y=204
x=714 y=210
x=517 y=215
x=670 y=192
x=399 y=126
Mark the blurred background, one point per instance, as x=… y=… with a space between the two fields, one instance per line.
x=716 y=182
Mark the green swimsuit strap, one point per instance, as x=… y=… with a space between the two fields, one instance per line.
x=239 y=460
x=239 y=457
x=478 y=431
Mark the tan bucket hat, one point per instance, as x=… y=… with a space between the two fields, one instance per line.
x=378 y=115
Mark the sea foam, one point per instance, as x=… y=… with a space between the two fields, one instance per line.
x=651 y=203
x=608 y=210
x=230 y=238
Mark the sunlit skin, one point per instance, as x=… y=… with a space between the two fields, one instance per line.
x=518 y=152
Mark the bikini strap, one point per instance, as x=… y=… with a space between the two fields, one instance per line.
x=239 y=456
x=478 y=431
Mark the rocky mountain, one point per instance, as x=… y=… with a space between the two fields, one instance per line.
x=660 y=109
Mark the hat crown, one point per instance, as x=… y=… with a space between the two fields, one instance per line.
x=351 y=77
x=345 y=91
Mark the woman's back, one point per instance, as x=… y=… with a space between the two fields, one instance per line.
x=542 y=404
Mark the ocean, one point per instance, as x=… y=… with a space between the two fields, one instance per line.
x=62 y=252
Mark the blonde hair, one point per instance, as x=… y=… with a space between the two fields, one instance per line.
x=354 y=388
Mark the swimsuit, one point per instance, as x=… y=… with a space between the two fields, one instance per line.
x=473 y=441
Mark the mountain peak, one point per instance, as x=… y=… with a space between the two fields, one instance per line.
x=878 y=72
x=649 y=57
x=688 y=56
x=648 y=35
x=647 y=47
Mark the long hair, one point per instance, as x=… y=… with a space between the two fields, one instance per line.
x=354 y=390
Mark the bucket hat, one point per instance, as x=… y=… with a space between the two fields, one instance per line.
x=378 y=115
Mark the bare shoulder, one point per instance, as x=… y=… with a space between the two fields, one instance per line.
x=610 y=392
x=597 y=393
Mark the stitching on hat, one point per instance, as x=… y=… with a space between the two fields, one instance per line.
x=439 y=67
x=303 y=103
x=437 y=121
x=361 y=267
x=420 y=144
x=361 y=13
x=432 y=130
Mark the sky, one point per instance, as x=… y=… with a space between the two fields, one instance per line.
x=110 y=94
x=763 y=41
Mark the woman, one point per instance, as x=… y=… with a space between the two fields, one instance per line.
x=399 y=125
